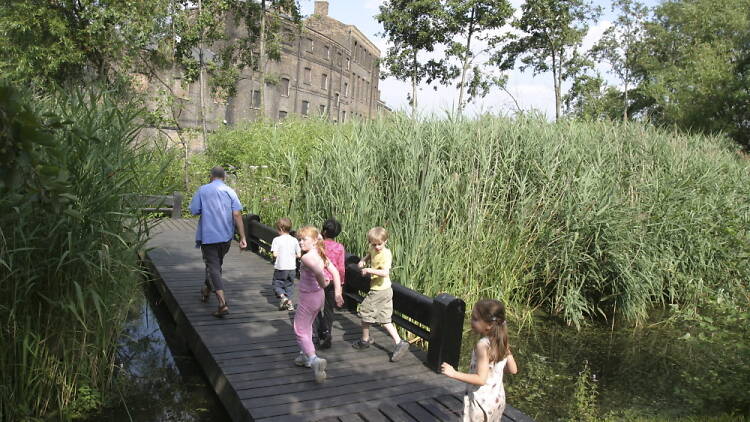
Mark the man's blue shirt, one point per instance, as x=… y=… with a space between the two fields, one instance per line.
x=214 y=202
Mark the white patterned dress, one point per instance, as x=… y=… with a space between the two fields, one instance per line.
x=485 y=403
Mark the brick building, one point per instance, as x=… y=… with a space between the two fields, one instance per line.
x=329 y=68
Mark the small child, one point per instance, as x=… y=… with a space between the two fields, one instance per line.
x=312 y=281
x=485 y=395
x=377 y=307
x=335 y=253
x=285 y=249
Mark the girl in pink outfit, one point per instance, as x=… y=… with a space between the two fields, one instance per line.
x=312 y=281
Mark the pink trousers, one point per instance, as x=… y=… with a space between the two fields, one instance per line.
x=307 y=309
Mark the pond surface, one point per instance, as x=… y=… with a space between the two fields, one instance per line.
x=159 y=380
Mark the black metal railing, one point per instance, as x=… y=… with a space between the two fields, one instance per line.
x=437 y=320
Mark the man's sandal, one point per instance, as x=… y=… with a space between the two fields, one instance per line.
x=205 y=292
x=223 y=310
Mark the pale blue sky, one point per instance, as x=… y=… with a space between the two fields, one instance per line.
x=531 y=92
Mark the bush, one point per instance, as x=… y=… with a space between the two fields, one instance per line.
x=69 y=239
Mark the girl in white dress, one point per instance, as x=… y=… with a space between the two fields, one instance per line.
x=484 y=400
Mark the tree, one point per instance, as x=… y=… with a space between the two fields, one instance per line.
x=619 y=43
x=590 y=98
x=413 y=26
x=65 y=41
x=552 y=30
x=469 y=21
x=694 y=70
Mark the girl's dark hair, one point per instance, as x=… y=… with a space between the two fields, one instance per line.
x=493 y=312
x=331 y=228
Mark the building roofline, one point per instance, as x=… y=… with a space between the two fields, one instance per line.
x=352 y=28
x=364 y=37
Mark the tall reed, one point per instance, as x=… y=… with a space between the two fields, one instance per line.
x=582 y=220
x=69 y=237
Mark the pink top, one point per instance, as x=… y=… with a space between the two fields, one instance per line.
x=307 y=281
x=335 y=253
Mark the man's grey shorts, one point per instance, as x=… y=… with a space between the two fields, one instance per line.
x=377 y=308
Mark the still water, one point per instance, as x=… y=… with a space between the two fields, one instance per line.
x=159 y=379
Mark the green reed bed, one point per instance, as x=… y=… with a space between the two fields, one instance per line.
x=69 y=238
x=633 y=236
x=581 y=220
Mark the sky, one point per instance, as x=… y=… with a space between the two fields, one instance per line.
x=531 y=92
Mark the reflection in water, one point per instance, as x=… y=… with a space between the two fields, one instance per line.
x=160 y=380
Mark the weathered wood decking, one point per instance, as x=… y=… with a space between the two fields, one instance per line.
x=248 y=356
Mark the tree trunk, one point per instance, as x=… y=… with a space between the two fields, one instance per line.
x=462 y=87
x=556 y=83
x=200 y=78
x=414 y=87
x=625 y=108
x=262 y=59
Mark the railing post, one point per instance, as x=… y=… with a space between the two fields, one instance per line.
x=354 y=281
x=177 y=205
x=252 y=241
x=446 y=329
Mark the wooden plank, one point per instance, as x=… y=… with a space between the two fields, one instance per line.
x=417 y=412
x=437 y=410
x=248 y=355
x=395 y=414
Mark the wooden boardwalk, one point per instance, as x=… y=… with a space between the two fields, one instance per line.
x=248 y=356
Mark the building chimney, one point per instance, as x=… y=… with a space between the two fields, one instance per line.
x=321 y=8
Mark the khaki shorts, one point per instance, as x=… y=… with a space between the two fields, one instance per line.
x=377 y=308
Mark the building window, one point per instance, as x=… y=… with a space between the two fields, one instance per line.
x=305 y=107
x=322 y=109
x=348 y=63
x=282 y=114
x=308 y=75
x=288 y=37
x=309 y=45
x=343 y=116
x=339 y=58
x=336 y=99
x=346 y=89
x=327 y=51
x=256 y=99
x=284 y=87
x=324 y=81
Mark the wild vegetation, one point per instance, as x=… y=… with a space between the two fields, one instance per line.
x=617 y=226
x=69 y=237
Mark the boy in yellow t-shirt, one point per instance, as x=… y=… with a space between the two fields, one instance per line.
x=377 y=307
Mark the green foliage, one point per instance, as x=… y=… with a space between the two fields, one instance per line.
x=472 y=21
x=69 y=239
x=583 y=405
x=551 y=31
x=620 y=44
x=48 y=43
x=694 y=67
x=585 y=221
x=413 y=27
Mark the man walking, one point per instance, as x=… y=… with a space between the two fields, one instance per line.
x=219 y=210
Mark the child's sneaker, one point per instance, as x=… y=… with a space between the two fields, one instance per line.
x=289 y=305
x=283 y=303
x=301 y=360
x=361 y=344
x=319 y=369
x=401 y=348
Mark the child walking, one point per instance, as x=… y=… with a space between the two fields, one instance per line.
x=312 y=281
x=335 y=253
x=286 y=250
x=377 y=307
x=485 y=395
